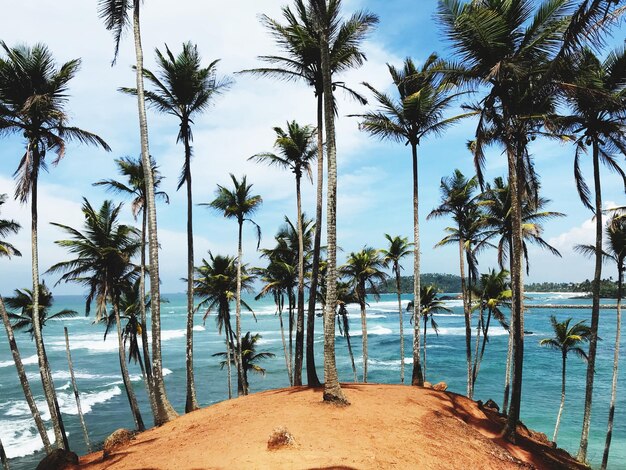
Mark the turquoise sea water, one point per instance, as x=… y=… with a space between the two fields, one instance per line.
x=106 y=407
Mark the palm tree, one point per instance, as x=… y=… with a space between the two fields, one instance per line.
x=458 y=199
x=566 y=339
x=595 y=96
x=183 y=88
x=33 y=91
x=616 y=252
x=399 y=247
x=301 y=40
x=7 y=227
x=430 y=305
x=132 y=169
x=116 y=17
x=345 y=296
x=415 y=115
x=250 y=357
x=506 y=48
x=297 y=150
x=239 y=204
x=23 y=303
x=363 y=270
x=215 y=284
x=103 y=252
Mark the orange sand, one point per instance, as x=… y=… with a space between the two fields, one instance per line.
x=385 y=426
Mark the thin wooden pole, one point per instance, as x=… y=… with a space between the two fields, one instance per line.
x=76 y=394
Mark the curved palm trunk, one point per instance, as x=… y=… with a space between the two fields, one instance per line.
x=618 y=329
x=291 y=327
x=364 y=332
x=417 y=378
x=400 y=316
x=479 y=328
x=282 y=337
x=144 y=316
x=44 y=366
x=300 y=319
x=425 y=328
x=311 y=372
x=240 y=373
x=558 y=416
x=21 y=373
x=332 y=389
x=165 y=411
x=191 y=403
x=75 y=389
x=595 y=308
x=479 y=357
x=517 y=313
x=228 y=334
x=507 y=373
x=466 y=315
x=130 y=393
x=3 y=457
x=346 y=331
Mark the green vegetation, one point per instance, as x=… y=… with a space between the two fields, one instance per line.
x=446 y=283
x=608 y=288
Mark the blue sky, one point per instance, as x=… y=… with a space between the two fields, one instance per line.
x=374 y=177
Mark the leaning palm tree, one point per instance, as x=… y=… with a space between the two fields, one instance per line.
x=399 y=247
x=135 y=187
x=297 y=150
x=33 y=93
x=300 y=40
x=363 y=270
x=595 y=94
x=184 y=89
x=250 y=355
x=430 y=305
x=103 y=251
x=417 y=113
x=566 y=339
x=7 y=227
x=459 y=200
x=215 y=284
x=239 y=204
x=116 y=16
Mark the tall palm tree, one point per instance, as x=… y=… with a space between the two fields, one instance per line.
x=33 y=91
x=505 y=49
x=215 y=283
x=103 y=251
x=116 y=15
x=417 y=113
x=184 y=89
x=238 y=203
x=566 y=339
x=135 y=187
x=595 y=95
x=363 y=270
x=459 y=200
x=6 y=228
x=300 y=39
x=297 y=149
x=399 y=247
x=22 y=302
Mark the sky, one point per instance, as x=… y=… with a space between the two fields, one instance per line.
x=374 y=182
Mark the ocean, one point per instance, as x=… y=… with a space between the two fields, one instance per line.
x=106 y=407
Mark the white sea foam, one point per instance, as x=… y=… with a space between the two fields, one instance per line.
x=199 y=328
x=166 y=371
x=92 y=342
x=376 y=330
x=88 y=400
x=30 y=360
x=460 y=331
x=172 y=334
x=20 y=437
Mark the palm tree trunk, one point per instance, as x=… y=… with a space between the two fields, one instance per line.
x=516 y=297
x=227 y=334
x=44 y=366
x=241 y=382
x=417 y=378
x=144 y=316
x=618 y=329
x=311 y=372
x=558 y=416
x=476 y=346
x=3 y=457
x=191 y=403
x=291 y=327
x=300 y=318
x=130 y=393
x=478 y=360
x=400 y=316
x=287 y=355
x=346 y=331
x=466 y=315
x=595 y=308
x=364 y=333
x=332 y=389
x=75 y=388
x=21 y=373
x=165 y=411
x=425 y=326
x=507 y=373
